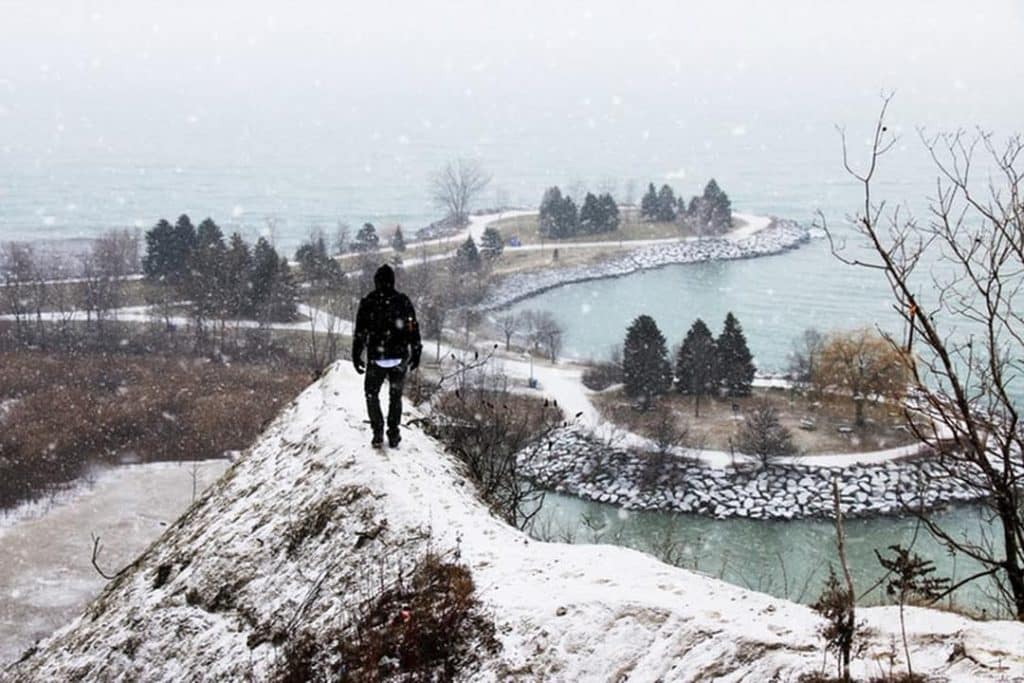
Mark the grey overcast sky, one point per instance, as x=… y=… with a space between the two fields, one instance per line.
x=416 y=46
x=94 y=64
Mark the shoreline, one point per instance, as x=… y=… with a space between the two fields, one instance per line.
x=574 y=463
x=779 y=236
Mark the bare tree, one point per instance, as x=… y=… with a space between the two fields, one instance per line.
x=455 y=186
x=509 y=324
x=342 y=237
x=105 y=268
x=544 y=333
x=23 y=286
x=804 y=357
x=486 y=426
x=324 y=341
x=956 y=280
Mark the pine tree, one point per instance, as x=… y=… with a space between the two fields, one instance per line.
x=591 y=215
x=205 y=280
x=696 y=364
x=398 y=240
x=366 y=238
x=467 y=257
x=550 y=211
x=264 y=270
x=318 y=267
x=763 y=434
x=491 y=244
x=569 y=221
x=735 y=362
x=157 y=263
x=183 y=241
x=718 y=208
x=649 y=204
x=666 y=205
x=645 y=367
x=610 y=213
x=284 y=295
x=237 y=299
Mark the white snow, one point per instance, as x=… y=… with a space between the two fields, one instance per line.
x=563 y=612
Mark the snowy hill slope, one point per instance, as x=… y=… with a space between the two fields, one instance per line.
x=298 y=527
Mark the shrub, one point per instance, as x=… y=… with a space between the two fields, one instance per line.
x=68 y=411
x=600 y=376
x=427 y=628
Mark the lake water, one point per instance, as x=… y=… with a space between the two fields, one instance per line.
x=774 y=298
x=788 y=559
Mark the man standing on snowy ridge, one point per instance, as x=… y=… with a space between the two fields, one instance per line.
x=386 y=328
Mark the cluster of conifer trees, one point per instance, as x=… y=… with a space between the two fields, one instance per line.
x=710 y=212
x=560 y=218
x=221 y=278
x=704 y=365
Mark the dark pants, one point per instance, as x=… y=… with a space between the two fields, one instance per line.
x=375 y=376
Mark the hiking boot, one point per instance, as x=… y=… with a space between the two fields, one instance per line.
x=394 y=438
x=378 y=440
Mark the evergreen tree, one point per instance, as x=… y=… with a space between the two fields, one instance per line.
x=318 y=267
x=649 y=204
x=696 y=364
x=591 y=215
x=735 y=362
x=610 y=213
x=550 y=211
x=282 y=305
x=646 y=370
x=718 y=207
x=398 y=240
x=205 y=281
x=467 y=257
x=237 y=295
x=183 y=241
x=366 y=238
x=569 y=222
x=158 y=262
x=265 y=263
x=666 y=205
x=491 y=244
x=763 y=435
x=558 y=215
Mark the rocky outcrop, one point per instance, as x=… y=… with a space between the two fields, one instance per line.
x=779 y=236
x=576 y=463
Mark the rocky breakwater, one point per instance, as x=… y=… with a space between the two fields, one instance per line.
x=779 y=236
x=575 y=463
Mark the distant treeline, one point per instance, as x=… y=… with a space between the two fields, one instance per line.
x=707 y=213
x=559 y=217
x=221 y=279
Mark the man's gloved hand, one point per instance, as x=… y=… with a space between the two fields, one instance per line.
x=358 y=364
x=414 y=359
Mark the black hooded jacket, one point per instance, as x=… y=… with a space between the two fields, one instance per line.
x=386 y=323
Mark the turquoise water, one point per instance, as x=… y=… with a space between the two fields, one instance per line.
x=774 y=297
x=786 y=559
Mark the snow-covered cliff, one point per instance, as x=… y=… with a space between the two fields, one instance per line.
x=292 y=534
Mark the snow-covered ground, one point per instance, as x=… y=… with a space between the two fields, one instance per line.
x=201 y=602
x=46 y=575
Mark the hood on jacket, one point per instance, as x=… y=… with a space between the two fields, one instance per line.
x=384 y=278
